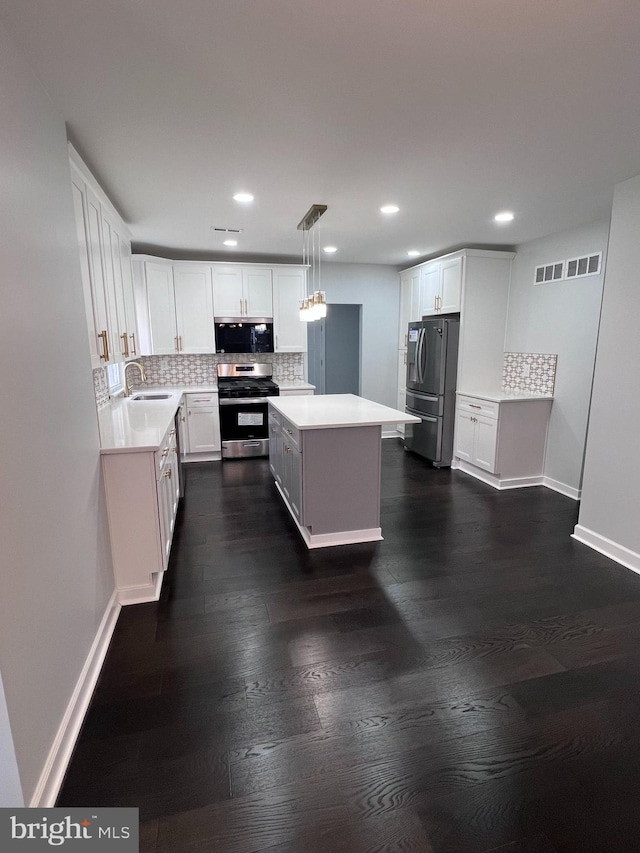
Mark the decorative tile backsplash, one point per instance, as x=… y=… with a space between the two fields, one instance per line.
x=201 y=369
x=101 y=386
x=529 y=371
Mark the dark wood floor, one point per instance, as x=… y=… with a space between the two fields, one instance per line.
x=471 y=683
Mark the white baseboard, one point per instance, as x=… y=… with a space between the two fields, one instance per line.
x=391 y=433
x=326 y=540
x=608 y=547
x=563 y=488
x=141 y=594
x=492 y=480
x=55 y=767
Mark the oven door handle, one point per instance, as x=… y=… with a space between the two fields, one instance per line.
x=242 y=401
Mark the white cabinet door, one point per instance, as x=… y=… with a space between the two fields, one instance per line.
x=98 y=285
x=257 y=292
x=115 y=292
x=450 y=285
x=162 y=309
x=203 y=425
x=194 y=308
x=182 y=429
x=410 y=304
x=292 y=478
x=486 y=441
x=402 y=386
x=288 y=289
x=465 y=436
x=91 y=301
x=228 y=297
x=129 y=301
x=430 y=289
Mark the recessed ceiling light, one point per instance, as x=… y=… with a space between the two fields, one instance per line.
x=243 y=198
x=389 y=208
x=330 y=249
x=413 y=253
x=230 y=242
x=504 y=216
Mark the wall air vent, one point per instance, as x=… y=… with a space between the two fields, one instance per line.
x=549 y=272
x=573 y=268
x=587 y=265
x=227 y=230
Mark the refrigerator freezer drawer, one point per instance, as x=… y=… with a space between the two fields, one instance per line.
x=425 y=404
x=425 y=438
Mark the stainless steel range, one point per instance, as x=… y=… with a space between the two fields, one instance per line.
x=244 y=425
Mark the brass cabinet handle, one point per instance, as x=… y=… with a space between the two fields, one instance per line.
x=405 y=358
x=176 y=339
x=125 y=343
x=105 y=344
x=167 y=474
x=172 y=432
x=406 y=342
x=246 y=310
x=134 y=349
x=165 y=452
x=180 y=342
x=241 y=307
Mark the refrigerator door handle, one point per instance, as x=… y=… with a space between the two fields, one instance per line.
x=419 y=355
x=429 y=418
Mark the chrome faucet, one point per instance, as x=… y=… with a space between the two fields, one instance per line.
x=143 y=377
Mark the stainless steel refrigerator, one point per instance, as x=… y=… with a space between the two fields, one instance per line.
x=432 y=366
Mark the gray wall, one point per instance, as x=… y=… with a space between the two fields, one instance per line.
x=560 y=318
x=55 y=571
x=376 y=288
x=611 y=490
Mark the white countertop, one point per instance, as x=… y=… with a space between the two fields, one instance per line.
x=326 y=411
x=498 y=396
x=298 y=386
x=130 y=426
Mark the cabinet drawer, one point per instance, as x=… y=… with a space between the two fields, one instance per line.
x=478 y=406
x=206 y=398
x=291 y=433
x=275 y=419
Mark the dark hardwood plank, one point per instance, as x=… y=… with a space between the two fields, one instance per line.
x=469 y=684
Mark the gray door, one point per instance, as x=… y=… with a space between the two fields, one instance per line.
x=334 y=351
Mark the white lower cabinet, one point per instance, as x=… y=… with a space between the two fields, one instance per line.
x=285 y=460
x=142 y=491
x=203 y=423
x=502 y=442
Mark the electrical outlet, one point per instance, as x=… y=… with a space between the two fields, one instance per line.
x=525 y=371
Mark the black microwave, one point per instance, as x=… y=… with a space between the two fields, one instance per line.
x=244 y=335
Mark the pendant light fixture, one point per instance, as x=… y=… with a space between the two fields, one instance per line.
x=313 y=306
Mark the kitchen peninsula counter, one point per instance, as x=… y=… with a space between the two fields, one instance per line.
x=325 y=455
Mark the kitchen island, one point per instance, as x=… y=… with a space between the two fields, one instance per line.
x=325 y=455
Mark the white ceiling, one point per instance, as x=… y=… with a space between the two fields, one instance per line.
x=452 y=109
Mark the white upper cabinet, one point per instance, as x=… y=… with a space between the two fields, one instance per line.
x=429 y=289
x=450 y=285
x=163 y=332
x=194 y=308
x=288 y=289
x=410 y=303
x=242 y=291
x=105 y=264
x=258 y=295
x=95 y=308
x=441 y=284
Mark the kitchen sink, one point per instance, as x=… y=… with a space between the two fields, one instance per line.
x=150 y=396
